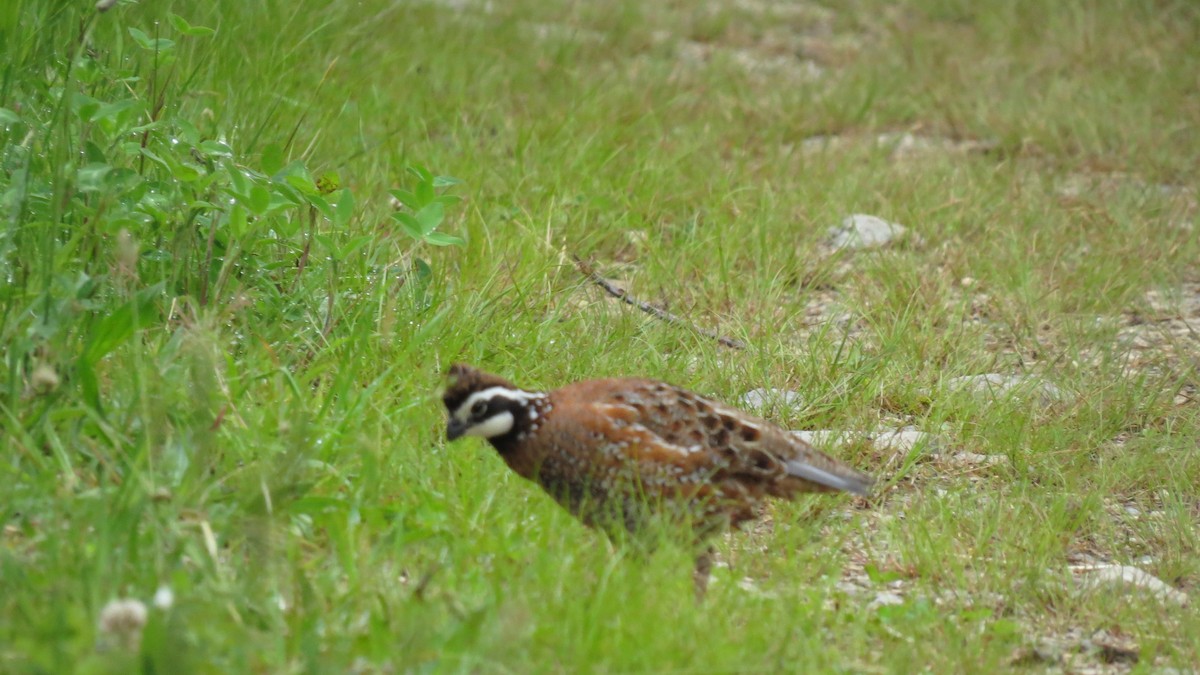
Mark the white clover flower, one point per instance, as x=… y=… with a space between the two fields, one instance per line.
x=164 y=598
x=124 y=620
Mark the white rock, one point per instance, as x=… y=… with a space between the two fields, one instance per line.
x=894 y=440
x=1094 y=576
x=905 y=440
x=761 y=398
x=996 y=385
x=883 y=598
x=973 y=459
x=820 y=438
x=848 y=587
x=863 y=231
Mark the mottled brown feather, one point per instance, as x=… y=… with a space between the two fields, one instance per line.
x=620 y=452
x=628 y=439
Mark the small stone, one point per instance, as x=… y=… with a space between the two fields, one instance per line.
x=885 y=598
x=905 y=440
x=848 y=587
x=819 y=438
x=973 y=459
x=761 y=398
x=44 y=379
x=895 y=440
x=1113 y=648
x=1094 y=576
x=1043 y=652
x=863 y=231
x=1048 y=651
x=997 y=385
x=747 y=585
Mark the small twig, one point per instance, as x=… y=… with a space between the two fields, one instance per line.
x=586 y=270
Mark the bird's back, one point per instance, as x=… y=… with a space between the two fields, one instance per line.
x=617 y=440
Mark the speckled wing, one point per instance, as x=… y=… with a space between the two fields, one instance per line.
x=606 y=440
x=728 y=443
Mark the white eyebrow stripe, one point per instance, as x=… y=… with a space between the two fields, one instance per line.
x=464 y=410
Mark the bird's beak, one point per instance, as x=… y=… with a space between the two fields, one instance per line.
x=455 y=429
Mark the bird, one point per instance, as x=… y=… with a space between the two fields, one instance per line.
x=630 y=456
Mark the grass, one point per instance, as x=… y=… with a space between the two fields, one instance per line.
x=222 y=351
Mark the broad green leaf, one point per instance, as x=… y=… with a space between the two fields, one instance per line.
x=240 y=183
x=237 y=220
x=430 y=217
x=9 y=117
x=186 y=131
x=147 y=127
x=410 y=225
x=443 y=239
x=421 y=173
x=216 y=149
x=354 y=244
x=185 y=172
x=272 y=159
x=148 y=154
x=259 y=201
x=122 y=179
x=152 y=44
x=406 y=198
x=425 y=193
x=94 y=154
x=111 y=110
x=288 y=194
x=121 y=324
x=302 y=183
x=90 y=178
x=322 y=206
x=424 y=271
x=345 y=207
x=87 y=108
x=327 y=242
x=185 y=28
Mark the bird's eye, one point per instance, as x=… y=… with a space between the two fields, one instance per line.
x=478 y=408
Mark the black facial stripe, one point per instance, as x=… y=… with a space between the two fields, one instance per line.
x=499 y=404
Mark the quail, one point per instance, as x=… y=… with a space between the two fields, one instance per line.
x=628 y=454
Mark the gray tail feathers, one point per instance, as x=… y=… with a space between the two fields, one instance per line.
x=846 y=480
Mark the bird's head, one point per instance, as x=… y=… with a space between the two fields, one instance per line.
x=484 y=405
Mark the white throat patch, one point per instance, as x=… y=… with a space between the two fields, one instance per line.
x=496 y=425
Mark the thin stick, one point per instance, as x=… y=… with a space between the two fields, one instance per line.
x=586 y=270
